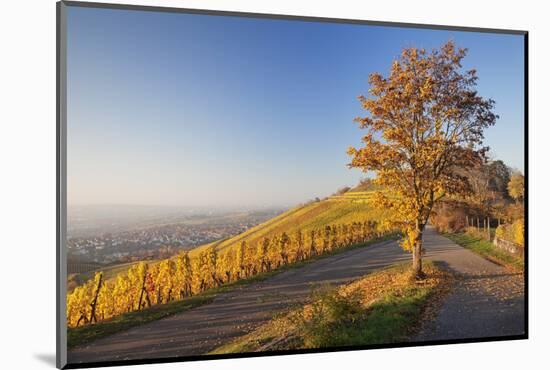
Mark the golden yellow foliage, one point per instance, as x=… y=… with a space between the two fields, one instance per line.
x=519 y=231
x=516 y=186
x=514 y=232
x=182 y=276
x=425 y=122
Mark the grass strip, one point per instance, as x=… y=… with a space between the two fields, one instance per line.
x=383 y=307
x=488 y=250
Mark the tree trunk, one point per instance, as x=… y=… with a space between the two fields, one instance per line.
x=417 y=255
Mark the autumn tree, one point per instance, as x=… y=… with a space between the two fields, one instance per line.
x=326 y=239
x=149 y=287
x=210 y=258
x=312 y=250
x=274 y=252
x=516 y=186
x=198 y=280
x=500 y=176
x=481 y=194
x=137 y=275
x=239 y=260
x=121 y=292
x=333 y=238
x=164 y=280
x=425 y=122
x=249 y=260
x=263 y=257
x=78 y=304
x=284 y=243
x=184 y=274
x=105 y=302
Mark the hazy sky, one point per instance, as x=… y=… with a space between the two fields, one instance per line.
x=177 y=109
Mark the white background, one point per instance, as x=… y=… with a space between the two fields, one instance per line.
x=27 y=185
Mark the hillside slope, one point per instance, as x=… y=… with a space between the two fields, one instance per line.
x=338 y=209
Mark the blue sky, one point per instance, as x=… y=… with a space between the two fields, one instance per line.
x=194 y=110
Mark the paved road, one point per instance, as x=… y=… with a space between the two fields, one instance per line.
x=486 y=299
x=235 y=313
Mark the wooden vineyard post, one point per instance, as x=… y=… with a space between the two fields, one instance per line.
x=143 y=290
x=93 y=317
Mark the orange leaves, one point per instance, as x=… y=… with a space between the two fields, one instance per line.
x=425 y=122
x=516 y=186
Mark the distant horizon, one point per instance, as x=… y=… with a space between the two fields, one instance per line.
x=188 y=110
x=205 y=205
x=73 y=205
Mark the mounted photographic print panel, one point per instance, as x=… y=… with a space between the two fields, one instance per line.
x=235 y=185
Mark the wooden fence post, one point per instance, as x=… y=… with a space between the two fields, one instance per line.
x=93 y=305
